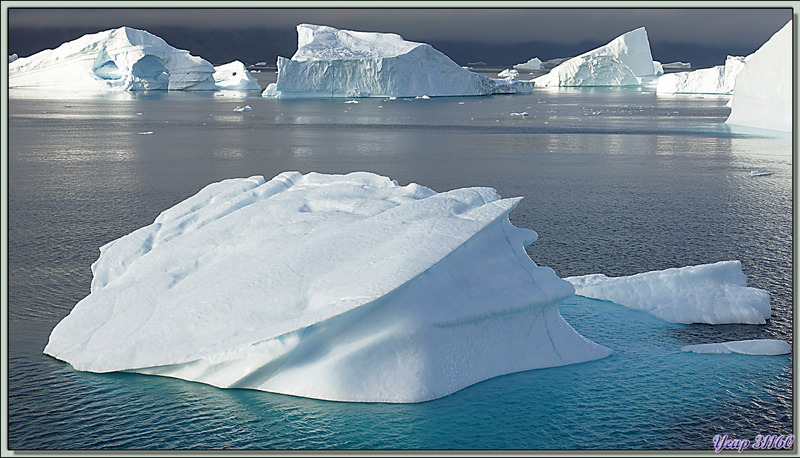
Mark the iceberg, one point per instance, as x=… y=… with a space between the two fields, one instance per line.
x=746 y=347
x=12 y=58
x=709 y=293
x=658 y=69
x=234 y=76
x=676 y=65
x=508 y=73
x=715 y=80
x=625 y=61
x=119 y=59
x=339 y=287
x=532 y=64
x=762 y=95
x=341 y=63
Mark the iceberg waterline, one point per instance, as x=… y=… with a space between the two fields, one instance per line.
x=331 y=62
x=341 y=287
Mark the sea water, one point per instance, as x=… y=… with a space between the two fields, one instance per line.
x=617 y=181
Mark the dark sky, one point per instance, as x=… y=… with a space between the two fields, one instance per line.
x=673 y=30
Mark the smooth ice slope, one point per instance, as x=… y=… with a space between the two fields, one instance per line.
x=746 y=347
x=709 y=293
x=714 y=80
x=335 y=287
x=340 y=63
x=235 y=77
x=762 y=95
x=625 y=61
x=118 y=59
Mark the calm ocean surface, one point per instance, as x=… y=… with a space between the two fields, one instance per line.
x=617 y=181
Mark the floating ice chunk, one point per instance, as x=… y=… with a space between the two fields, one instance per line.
x=244 y=108
x=13 y=57
x=762 y=95
x=341 y=63
x=234 y=76
x=508 y=73
x=747 y=347
x=658 y=69
x=524 y=113
x=676 y=65
x=625 y=61
x=532 y=64
x=342 y=287
x=709 y=293
x=715 y=80
x=118 y=59
x=759 y=173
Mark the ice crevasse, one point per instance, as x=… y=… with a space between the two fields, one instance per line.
x=330 y=62
x=340 y=287
x=117 y=59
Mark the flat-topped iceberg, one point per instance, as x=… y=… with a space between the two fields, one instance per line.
x=341 y=63
x=714 y=80
x=234 y=76
x=710 y=293
x=341 y=287
x=625 y=61
x=762 y=95
x=118 y=59
x=745 y=347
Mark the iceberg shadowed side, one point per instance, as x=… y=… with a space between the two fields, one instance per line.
x=341 y=63
x=118 y=59
x=340 y=287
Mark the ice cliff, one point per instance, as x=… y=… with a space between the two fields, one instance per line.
x=715 y=80
x=625 y=61
x=762 y=95
x=341 y=287
x=234 y=76
x=709 y=293
x=118 y=59
x=340 y=63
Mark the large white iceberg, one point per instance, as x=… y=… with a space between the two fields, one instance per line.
x=745 y=347
x=532 y=64
x=714 y=80
x=710 y=293
x=762 y=94
x=235 y=77
x=341 y=63
x=118 y=59
x=341 y=287
x=625 y=61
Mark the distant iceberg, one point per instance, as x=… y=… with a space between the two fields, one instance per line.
x=746 y=347
x=762 y=95
x=340 y=63
x=709 y=293
x=676 y=65
x=715 y=80
x=532 y=64
x=625 y=61
x=235 y=77
x=119 y=59
x=340 y=287
x=12 y=57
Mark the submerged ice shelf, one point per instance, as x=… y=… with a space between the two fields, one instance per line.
x=746 y=347
x=341 y=287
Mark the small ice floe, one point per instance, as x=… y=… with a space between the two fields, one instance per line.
x=524 y=113
x=745 y=347
x=461 y=103
x=757 y=173
x=149 y=132
x=352 y=101
x=425 y=97
x=244 y=108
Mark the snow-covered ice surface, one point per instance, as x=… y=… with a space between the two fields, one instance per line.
x=714 y=80
x=235 y=77
x=624 y=61
x=710 y=293
x=762 y=95
x=341 y=287
x=746 y=347
x=341 y=63
x=117 y=59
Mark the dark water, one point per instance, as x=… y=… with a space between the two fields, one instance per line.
x=616 y=181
